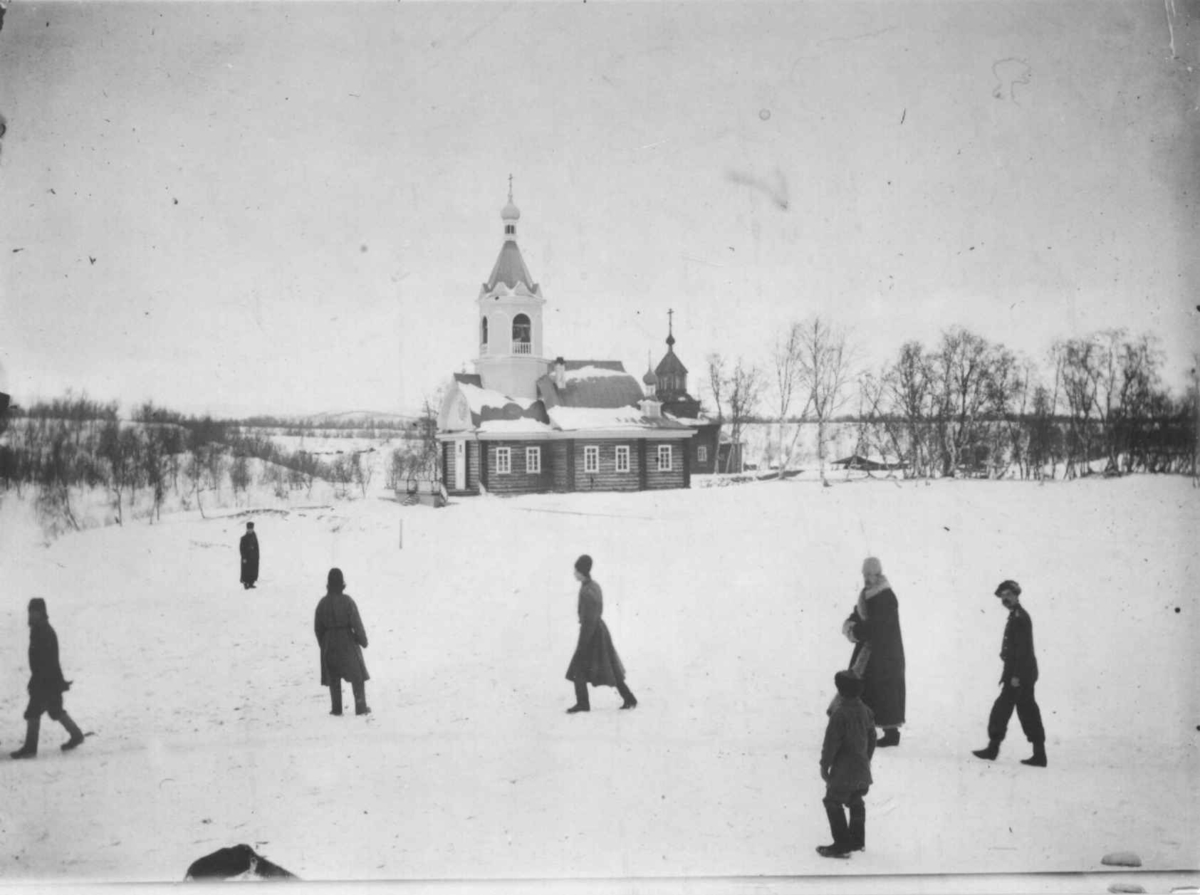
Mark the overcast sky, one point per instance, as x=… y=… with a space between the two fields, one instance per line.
x=290 y=207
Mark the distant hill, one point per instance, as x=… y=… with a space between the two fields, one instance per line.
x=358 y=416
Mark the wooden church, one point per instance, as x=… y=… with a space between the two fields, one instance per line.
x=524 y=422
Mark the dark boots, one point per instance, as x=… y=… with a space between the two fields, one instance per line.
x=581 y=698
x=858 y=827
x=360 y=699
x=891 y=737
x=841 y=833
x=73 y=729
x=990 y=753
x=627 y=695
x=29 y=750
x=1038 y=759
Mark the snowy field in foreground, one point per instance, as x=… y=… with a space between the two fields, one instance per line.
x=725 y=604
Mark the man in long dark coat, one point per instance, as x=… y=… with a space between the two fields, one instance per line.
x=1016 y=682
x=595 y=660
x=878 y=657
x=342 y=638
x=46 y=683
x=249 y=550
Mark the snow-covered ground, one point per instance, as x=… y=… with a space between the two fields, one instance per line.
x=726 y=606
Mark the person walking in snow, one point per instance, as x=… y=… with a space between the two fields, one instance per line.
x=878 y=657
x=595 y=660
x=249 y=550
x=1016 y=682
x=46 y=683
x=342 y=638
x=846 y=766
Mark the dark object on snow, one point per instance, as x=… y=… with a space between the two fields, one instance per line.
x=1017 y=682
x=859 y=462
x=1121 y=859
x=342 y=638
x=595 y=660
x=249 y=550
x=878 y=656
x=46 y=683
x=227 y=863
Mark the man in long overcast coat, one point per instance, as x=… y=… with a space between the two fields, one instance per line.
x=249 y=550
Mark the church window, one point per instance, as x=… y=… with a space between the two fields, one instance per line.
x=483 y=331
x=664 y=458
x=522 y=333
x=503 y=461
x=591 y=458
x=623 y=458
x=533 y=459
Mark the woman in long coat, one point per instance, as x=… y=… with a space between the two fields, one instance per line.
x=595 y=661
x=878 y=657
x=342 y=637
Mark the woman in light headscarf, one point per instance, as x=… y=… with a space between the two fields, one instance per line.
x=878 y=658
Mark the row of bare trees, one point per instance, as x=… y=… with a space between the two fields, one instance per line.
x=76 y=443
x=811 y=362
x=970 y=406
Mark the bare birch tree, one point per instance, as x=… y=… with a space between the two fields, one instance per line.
x=786 y=360
x=824 y=372
x=744 y=388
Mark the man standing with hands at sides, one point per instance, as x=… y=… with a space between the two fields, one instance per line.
x=249 y=549
x=1016 y=683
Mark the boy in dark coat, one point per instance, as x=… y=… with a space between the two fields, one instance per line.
x=595 y=660
x=1016 y=682
x=46 y=683
x=249 y=550
x=342 y=638
x=846 y=766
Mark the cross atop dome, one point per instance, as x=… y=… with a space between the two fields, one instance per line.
x=510 y=215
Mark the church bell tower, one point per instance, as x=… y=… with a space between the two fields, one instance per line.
x=509 y=329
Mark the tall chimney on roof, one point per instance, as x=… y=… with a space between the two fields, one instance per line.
x=560 y=372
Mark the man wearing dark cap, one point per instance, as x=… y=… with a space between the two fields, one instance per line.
x=595 y=660
x=249 y=550
x=46 y=684
x=1016 y=683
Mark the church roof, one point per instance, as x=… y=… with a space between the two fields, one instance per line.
x=599 y=418
x=510 y=269
x=670 y=364
x=590 y=384
x=487 y=405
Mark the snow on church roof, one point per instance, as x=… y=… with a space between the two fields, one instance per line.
x=607 y=418
x=591 y=372
x=479 y=398
x=522 y=426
